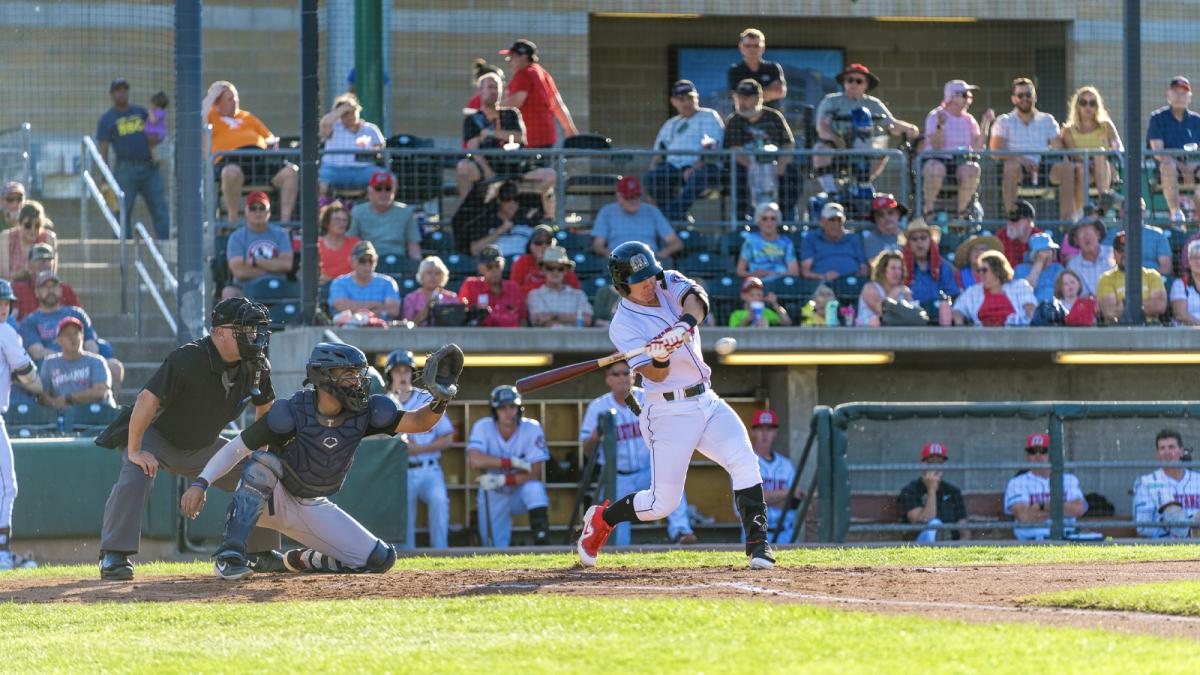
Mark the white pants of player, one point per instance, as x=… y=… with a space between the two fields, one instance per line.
x=8 y=478
x=672 y=430
x=428 y=484
x=497 y=507
x=318 y=524
x=677 y=522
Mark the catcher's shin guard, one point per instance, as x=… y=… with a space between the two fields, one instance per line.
x=539 y=523
x=259 y=477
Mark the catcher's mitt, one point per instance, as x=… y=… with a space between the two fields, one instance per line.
x=441 y=372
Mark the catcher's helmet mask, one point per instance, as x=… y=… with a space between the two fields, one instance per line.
x=631 y=263
x=505 y=395
x=353 y=389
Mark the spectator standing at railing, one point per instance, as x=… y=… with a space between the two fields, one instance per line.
x=1015 y=236
x=1094 y=257
x=769 y=75
x=41 y=259
x=258 y=248
x=887 y=281
x=418 y=305
x=527 y=272
x=556 y=304
x=631 y=219
x=35 y=228
x=14 y=199
x=1110 y=289
x=388 y=224
x=532 y=90
x=831 y=251
x=926 y=273
x=676 y=181
x=123 y=128
x=967 y=254
x=1185 y=291
x=1029 y=130
x=365 y=290
x=74 y=376
x=1041 y=267
x=997 y=299
x=950 y=127
x=930 y=500
x=886 y=213
x=1027 y=495
x=1169 y=493
x=752 y=127
x=1089 y=127
x=490 y=289
x=237 y=129
x=343 y=129
x=334 y=246
x=1175 y=127
x=40 y=329
x=759 y=309
x=767 y=254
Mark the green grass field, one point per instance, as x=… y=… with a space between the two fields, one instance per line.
x=1179 y=598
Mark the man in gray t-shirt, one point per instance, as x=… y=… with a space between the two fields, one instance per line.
x=631 y=219
x=257 y=249
x=73 y=376
x=388 y=224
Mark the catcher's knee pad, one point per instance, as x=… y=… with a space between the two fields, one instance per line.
x=382 y=557
x=259 y=478
x=262 y=472
x=539 y=523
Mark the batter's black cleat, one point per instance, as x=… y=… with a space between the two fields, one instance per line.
x=267 y=561
x=115 y=566
x=232 y=566
x=761 y=556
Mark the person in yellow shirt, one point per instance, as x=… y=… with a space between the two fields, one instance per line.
x=1110 y=289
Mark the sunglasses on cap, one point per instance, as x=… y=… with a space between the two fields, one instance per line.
x=382 y=187
x=1037 y=451
x=366 y=259
x=257 y=207
x=964 y=94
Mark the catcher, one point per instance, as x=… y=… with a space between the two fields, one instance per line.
x=310 y=440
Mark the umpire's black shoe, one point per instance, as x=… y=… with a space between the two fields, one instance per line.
x=115 y=566
x=267 y=561
x=761 y=556
x=231 y=566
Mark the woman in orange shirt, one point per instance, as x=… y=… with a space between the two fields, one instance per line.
x=335 y=246
x=237 y=129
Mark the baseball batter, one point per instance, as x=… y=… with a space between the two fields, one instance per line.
x=633 y=457
x=660 y=311
x=425 y=478
x=1169 y=493
x=311 y=439
x=1027 y=496
x=510 y=449
x=14 y=363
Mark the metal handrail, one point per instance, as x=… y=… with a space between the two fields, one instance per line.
x=26 y=131
x=92 y=158
x=168 y=280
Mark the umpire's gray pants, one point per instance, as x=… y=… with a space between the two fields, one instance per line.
x=122 y=529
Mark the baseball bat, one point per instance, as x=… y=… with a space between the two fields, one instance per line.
x=552 y=377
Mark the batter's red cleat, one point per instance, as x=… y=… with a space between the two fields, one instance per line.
x=595 y=533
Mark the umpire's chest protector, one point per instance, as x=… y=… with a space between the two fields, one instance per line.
x=317 y=457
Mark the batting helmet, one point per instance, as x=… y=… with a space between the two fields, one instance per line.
x=504 y=395
x=400 y=357
x=6 y=291
x=328 y=356
x=630 y=263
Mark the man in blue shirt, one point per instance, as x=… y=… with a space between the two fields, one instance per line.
x=631 y=219
x=39 y=330
x=1040 y=268
x=363 y=290
x=832 y=251
x=1175 y=127
x=1156 y=248
x=123 y=128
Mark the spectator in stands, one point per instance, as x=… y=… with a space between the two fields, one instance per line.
x=1027 y=495
x=761 y=131
x=1185 y=291
x=1175 y=127
x=1081 y=309
x=492 y=127
x=1156 y=248
x=767 y=254
x=1171 y=493
x=14 y=199
x=14 y=252
x=886 y=213
x=950 y=127
x=527 y=272
x=554 y=303
x=967 y=254
x=768 y=74
x=997 y=299
x=1015 y=236
x=631 y=219
x=1040 y=269
x=237 y=129
x=388 y=224
x=1089 y=127
x=480 y=68
x=778 y=473
x=432 y=274
x=365 y=290
x=533 y=91
x=832 y=251
x=343 y=129
x=41 y=259
x=502 y=224
x=490 y=289
x=40 y=329
x=334 y=245
x=1110 y=289
x=1031 y=131
x=123 y=128
x=676 y=181
x=759 y=309
x=887 y=281
x=929 y=500
x=258 y=248
x=1094 y=258
x=834 y=128
x=74 y=376
x=927 y=274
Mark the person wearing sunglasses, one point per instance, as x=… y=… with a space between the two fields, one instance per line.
x=364 y=290
x=1027 y=496
x=767 y=254
x=258 y=248
x=14 y=199
x=886 y=212
x=996 y=299
x=950 y=127
x=35 y=228
x=1088 y=127
x=1029 y=131
x=556 y=304
x=1110 y=288
x=388 y=224
x=928 y=276
x=674 y=182
x=502 y=297
x=527 y=271
x=769 y=74
x=632 y=219
x=1175 y=127
x=343 y=128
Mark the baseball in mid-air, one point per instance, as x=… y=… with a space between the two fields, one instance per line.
x=725 y=346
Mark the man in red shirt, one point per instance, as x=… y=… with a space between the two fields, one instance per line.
x=502 y=296
x=1015 y=236
x=533 y=91
x=41 y=259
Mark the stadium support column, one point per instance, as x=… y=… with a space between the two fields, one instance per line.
x=368 y=58
x=309 y=49
x=1133 y=163
x=189 y=162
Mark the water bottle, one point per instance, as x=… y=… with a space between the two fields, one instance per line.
x=62 y=424
x=579 y=318
x=831 y=313
x=945 y=311
x=847 y=315
x=756 y=311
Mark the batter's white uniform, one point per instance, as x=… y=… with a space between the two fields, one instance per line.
x=674 y=428
x=13 y=357
x=425 y=478
x=633 y=461
x=1155 y=490
x=777 y=474
x=527 y=443
x=1029 y=488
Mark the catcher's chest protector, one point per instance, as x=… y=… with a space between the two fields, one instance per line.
x=317 y=458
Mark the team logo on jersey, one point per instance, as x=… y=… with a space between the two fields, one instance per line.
x=638 y=263
x=330 y=442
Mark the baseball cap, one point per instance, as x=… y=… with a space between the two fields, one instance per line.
x=833 y=210
x=683 y=88
x=1180 y=82
x=748 y=87
x=629 y=186
x=118 y=83
x=48 y=275
x=363 y=247
x=522 y=47
x=1037 y=441
x=557 y=255
x=933 y=450
x=954 y=87
x=381 y=178
x=1022 y=209
x=258 y=198
x=1118 y=242
x=41 y=252
x=751 y=282
x=887 y=200
x=68 y=321
x=1040 y=242
x=490 y=253
x=13 y=187
x=764 y=418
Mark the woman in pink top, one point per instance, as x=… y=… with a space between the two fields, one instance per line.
x=34 y=228
x=950 y=127
x=334 y=247
x=432 y=274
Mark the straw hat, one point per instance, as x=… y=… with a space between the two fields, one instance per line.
x=963 y=252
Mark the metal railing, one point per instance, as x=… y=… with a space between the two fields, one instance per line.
x=170 y=284
x=22 y=153
x=117 y=223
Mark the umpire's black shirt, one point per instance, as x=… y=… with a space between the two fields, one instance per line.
x=199 y=394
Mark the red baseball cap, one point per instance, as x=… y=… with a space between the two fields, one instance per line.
x=751 y=282
x=887 y=201
x=257 y=197
x=933 y=450
x=1037 y=441
x=629 y=186
x=381 y=178
x=764 y=418
x=1180 y=82
x=69 y=321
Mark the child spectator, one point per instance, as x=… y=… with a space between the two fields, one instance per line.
x=759 y=309
x=1081 y=309
x=156 y=118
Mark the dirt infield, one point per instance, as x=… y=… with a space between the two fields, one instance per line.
x=984 y=594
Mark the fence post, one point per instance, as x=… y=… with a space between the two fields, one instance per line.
x=1056 y=476
x=841 y=480
x=824 y=472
